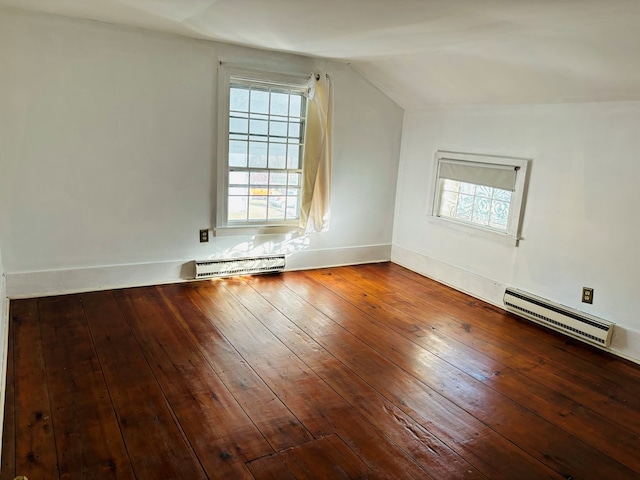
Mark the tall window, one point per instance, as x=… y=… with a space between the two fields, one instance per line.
x=480 y=191
x=264 y=133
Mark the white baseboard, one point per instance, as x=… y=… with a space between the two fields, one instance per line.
x=625 y=342
x=4 y=305
x=77 y=280
x=455 y=277
x=337 y=257
x=90 y=279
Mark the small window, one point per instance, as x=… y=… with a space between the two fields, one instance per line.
x=261 y=154
x=480 y=191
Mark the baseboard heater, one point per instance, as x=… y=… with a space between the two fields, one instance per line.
x=577 y=324
x=239 y=266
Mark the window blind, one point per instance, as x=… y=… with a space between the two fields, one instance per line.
x=490 y=175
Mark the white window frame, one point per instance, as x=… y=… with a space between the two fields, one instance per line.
x=516 y=207
x=226 y=73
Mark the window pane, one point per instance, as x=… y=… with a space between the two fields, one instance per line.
x=257 y=208
x=279 y=104
x=258 y=127
x=464 y=208
x=499 y=214
x=451 y=185
x=481 y=210
x=294 y=179
x=448 y=204
x=259 y=178
x=278 y=129
x=238 y=178
x=238 y=191
x=239 y=99
x=238 y=125
x=237 y=153
x=468 y=188
x=257 y=154
x=277 y=178
x=294 y=130
x=502 y=195
x=293 y=191
x=482 y=191
x=259 y=101
x=238 y=208
x=276 y=208
x=292 y=208
x=277 y=155
x=295 y=107
x=293 y=156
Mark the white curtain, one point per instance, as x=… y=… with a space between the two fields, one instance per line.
x=316 y=183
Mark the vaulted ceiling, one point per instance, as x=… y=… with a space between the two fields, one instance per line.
x=420 y=52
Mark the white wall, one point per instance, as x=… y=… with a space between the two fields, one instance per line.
x=580 y=226
x=108 y=141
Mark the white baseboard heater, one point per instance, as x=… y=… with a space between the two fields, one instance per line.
x=572 y=322
x=228 y=267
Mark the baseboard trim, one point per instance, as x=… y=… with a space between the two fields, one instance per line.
x=338 y=257
x=90 y=279
x=78 y=280
x=470 y=283
x=5 y=353
x=625 y=342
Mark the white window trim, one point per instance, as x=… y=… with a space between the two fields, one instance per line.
x=514 y=224
x=225 y=73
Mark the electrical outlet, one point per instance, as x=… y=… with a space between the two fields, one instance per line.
x=587 y=295
x=204 y=235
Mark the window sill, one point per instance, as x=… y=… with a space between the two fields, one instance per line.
x=474 y=231
x=244 y=230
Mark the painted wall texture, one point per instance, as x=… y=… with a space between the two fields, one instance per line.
x=108 y=148
x=579 y=226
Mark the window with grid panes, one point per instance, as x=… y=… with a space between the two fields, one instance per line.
x=480 y=191
x=266 y=121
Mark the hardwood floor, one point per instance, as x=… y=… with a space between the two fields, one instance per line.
x=354 y=372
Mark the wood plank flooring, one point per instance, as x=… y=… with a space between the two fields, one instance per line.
x=355 y=372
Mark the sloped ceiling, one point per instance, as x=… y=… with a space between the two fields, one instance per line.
x=420 y=52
